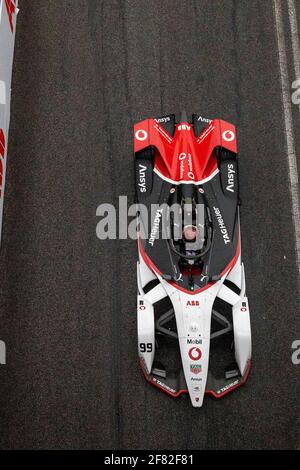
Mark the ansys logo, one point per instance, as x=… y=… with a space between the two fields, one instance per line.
x=2 y=352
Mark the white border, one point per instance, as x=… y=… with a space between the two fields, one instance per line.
x=185 y=181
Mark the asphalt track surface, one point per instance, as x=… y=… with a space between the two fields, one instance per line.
x=84 y=71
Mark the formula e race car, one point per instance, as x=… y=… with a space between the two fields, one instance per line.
x=194 y=331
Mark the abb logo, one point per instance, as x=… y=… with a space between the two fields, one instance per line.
x=184 y=127
x=194 y=303
x=11 y=9
x=2 y=152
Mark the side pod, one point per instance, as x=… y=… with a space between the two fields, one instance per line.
x=145 y=318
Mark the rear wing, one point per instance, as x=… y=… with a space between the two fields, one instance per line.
x=8 y=17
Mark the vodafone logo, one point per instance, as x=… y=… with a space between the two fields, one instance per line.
x=182 y=157
x=229 y=136
x=195 y=354
x=141 y=135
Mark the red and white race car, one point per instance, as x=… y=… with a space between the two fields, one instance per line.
x=194 y=331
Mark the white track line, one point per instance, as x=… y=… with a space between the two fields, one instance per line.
x=295 y=37
x=287 y=110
